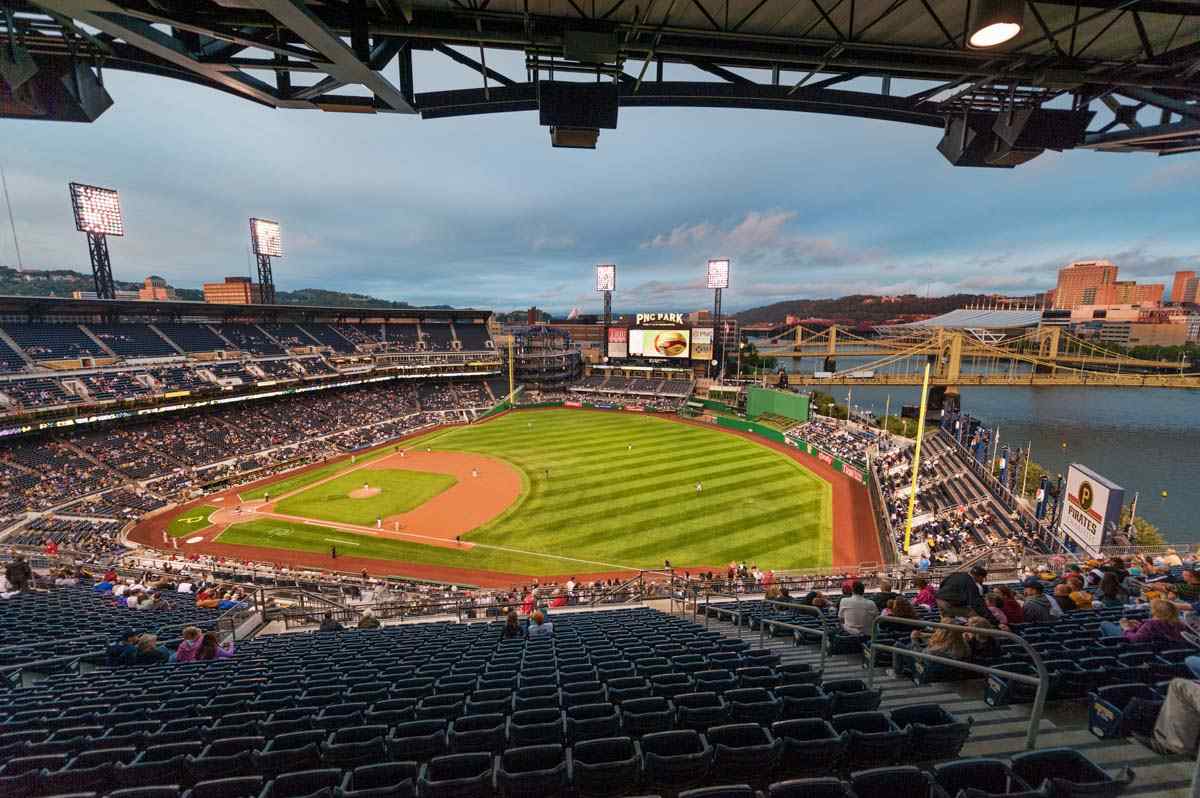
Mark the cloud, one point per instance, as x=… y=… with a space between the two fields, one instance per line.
x=680 y=237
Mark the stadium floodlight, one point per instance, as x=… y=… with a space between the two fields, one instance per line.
x=97 y=210
x=265 y=238
x=718 y=273
x=993 y=22
x=606 y=277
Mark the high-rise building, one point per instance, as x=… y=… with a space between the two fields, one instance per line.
x=1149 y=293
x=1086 y=282
x=234 y=291
x=1183 y=289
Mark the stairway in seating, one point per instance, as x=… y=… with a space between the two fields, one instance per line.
x=998 y=732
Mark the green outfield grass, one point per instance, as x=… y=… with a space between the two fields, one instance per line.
x=400 y=491
x=190 y=521
x=618 y=490
x=309 y=477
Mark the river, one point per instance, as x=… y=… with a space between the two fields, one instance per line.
x=1146 y=440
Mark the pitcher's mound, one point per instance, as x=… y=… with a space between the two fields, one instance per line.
x=364 y=493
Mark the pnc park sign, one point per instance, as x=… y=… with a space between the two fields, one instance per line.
x=659 y=318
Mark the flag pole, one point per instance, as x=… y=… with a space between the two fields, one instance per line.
x=912 y=497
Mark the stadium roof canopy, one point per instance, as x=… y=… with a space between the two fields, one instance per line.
x=1114 y=75
x=38 y=308
x=965 y=319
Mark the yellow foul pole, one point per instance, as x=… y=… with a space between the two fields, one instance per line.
x=912 y=497
x=511 y=367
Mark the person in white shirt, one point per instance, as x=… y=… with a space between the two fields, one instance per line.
x=184 y=587
x=120 y=589
x=856 y=612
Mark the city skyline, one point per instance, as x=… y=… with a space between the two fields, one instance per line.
x=483 y=212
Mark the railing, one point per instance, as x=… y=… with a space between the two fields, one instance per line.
x=822 y=635
x=1042 y=680
x=737 y=612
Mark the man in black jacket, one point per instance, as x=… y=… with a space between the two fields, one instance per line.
x=961 y=595
x=18 y=573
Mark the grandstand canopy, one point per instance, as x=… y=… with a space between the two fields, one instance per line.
x=965 y=319
x=1110 y=75
x=51 y=308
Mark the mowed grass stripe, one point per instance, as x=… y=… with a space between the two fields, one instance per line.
x=606 y=503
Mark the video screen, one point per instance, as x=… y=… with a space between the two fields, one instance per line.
x=659 y=343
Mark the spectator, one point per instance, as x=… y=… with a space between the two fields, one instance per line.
x=539 y=626
x=192 y=638
x=123 y=651
x=926 y=595
x=512 y=625
x=1037 y=607
x=19 y=574
x=961 y=594
x=1011 y=607
x=328 y=624
x=815 y=598
x=1163 y=625
x=982 y=646
x=1111 y=594
x=885 y=594
x=856 y=612
x=1177 y=729
x=209 y=649
x=368 y=620
x=1062 y=597
x=900 y=607
x=1082 y=598
x=948 y=643
x=995 y=605
x=149 y=652
x=1189 y=588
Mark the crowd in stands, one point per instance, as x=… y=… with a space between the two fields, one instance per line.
x=847 y=442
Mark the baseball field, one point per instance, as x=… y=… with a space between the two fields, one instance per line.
x=543 y=492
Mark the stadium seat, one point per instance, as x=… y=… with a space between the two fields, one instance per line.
x=804 y=701
x=240 y=787
x=808 y=746
x=753 y=705
x=356 y=745
x=157 y=791
x=384 y=780
x=895 y=782
x=537 y=697
x=159 y=764
x=227 y=757
x=743 y=752
x=810 y=788
x=535 y=726
x=534 y=771
x=591 y=722
x=934 y=733
x=872 y=739
x=852 y=695
x=457 y=776
x=979 y=775
x=644 y=715
x=797 y=673
x=575 y=693
x=626 y=688
x=724 y=791
x=1069 y=772
x=675 y=760
x=606 y=767
x=716 y=681
x=303 y=784
x=418 y=740
x=478 y=733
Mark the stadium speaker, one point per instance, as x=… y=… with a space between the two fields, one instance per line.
x=1042 y=128
x=16 y=66
x=62 y=90
x=577 y=105
x=969 y=141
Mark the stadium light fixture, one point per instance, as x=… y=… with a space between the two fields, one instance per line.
x=98 y=213
x=995 y=22
x=265 y=238
x=97 y=210
x=267 y=243
x=606 y=277
x=718 y=273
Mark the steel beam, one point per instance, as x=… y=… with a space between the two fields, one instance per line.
x=344 y=64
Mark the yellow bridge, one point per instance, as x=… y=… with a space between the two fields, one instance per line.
x=1043 y=356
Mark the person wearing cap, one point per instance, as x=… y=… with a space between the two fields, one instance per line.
x=1188 y=589
x=1037 y=608
x=961 y=595
x=124 y=650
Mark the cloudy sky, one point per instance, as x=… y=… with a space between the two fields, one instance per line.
x=482 y=211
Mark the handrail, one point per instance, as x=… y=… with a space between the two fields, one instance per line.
x=1042 y=680
x=737 y=604
x=804 y=608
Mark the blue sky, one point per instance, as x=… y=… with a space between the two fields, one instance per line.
x=482 y=211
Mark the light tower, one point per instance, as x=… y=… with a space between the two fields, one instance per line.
x=718 y=279
x=267 y=244
x=606 y=283
x=98 y=213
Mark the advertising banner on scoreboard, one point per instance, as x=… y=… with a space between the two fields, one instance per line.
x=702 y=338
x=618 y=342
x=1092 y=509
x=659 y=343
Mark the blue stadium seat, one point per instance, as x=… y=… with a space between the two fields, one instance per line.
x=743 y=752
x=607 y=767
x=675 y=760
x=641 y=716
x=934 y=733
x=809 y=746
x=534 y=771
x=471 y=733
x=457 y=776
x=894 y=782
x=238 y=787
